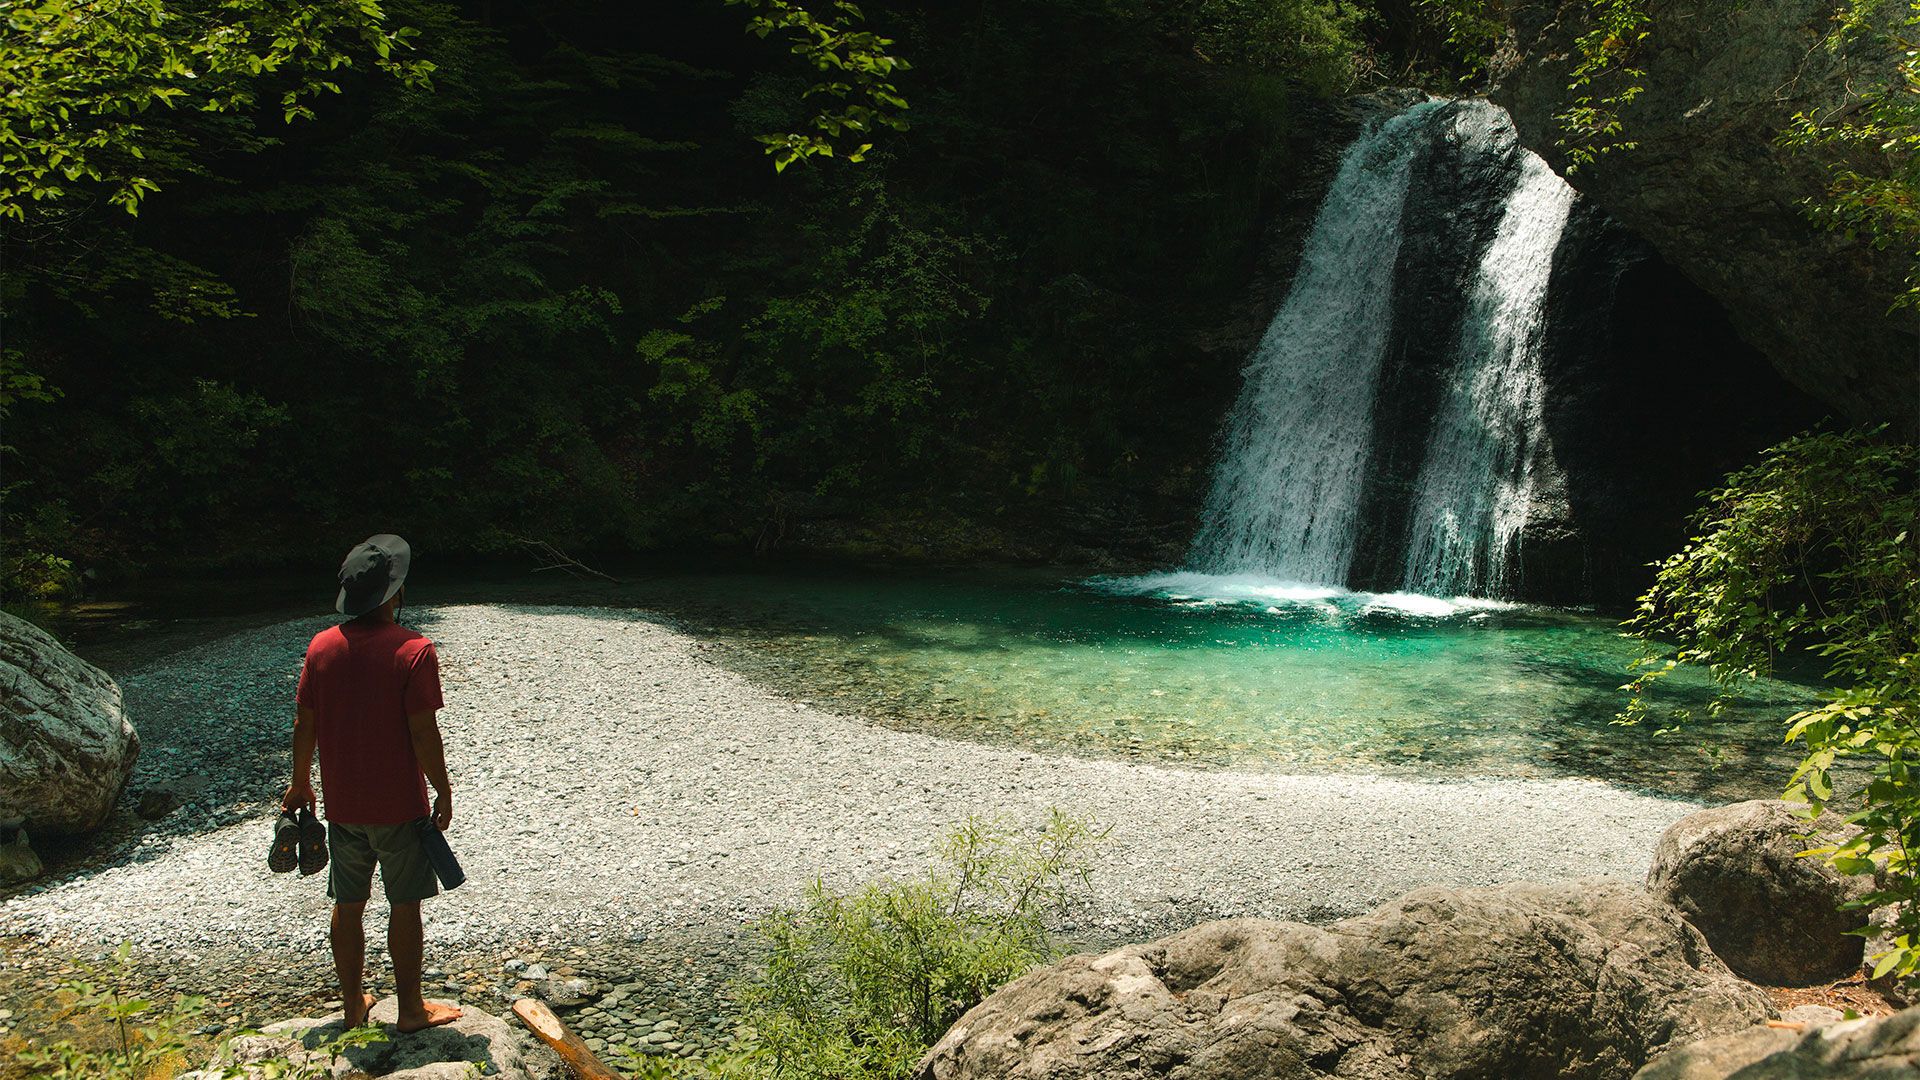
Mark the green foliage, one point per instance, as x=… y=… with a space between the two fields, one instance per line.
x=855 y=83
x=149 y=1041
x=1815 y=550
x=18 y=384
x=80 y=81
x=1471 y=30
x=560 y=296
x=30 y=576
x=1602 y=78
x=858 y=986
x=1870 y=142
x=1604 y=82
x=1318 y=42
x=145 y=1038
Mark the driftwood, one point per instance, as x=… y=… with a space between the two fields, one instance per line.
x=580 y=1060
x=558 y=560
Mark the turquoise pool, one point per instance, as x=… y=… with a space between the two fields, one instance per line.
x=1218 y=671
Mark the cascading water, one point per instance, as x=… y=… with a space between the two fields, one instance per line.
x=1285 y=499
x=1489 y=440
x=1299 y=451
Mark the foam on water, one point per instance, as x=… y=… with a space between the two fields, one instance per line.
x=1279 y=597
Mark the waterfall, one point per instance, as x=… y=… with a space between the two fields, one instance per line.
x=1489 y=443
x=1452 y=464
x=1285 y=498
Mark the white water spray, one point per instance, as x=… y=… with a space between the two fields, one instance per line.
x=1285 y=501
x=1489 y=440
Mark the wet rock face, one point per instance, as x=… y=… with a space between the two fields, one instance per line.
x=66 y=746
x=1455 y=200
x=1587 y=979
x=1651 y=398
x=1774 y=917
x=1710 y=188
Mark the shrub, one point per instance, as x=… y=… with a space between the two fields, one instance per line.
x=858 y=986
x=1816 y=550
x=145 y=1041
x=148 y=1042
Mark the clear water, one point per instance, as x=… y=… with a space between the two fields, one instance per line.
x=1224 y=671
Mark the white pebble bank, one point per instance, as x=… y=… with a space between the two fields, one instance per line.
x=612 y=781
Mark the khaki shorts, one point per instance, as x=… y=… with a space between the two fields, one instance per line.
x=404 y=870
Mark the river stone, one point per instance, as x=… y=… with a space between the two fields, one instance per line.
x=564 y=991
x=66 y=747
x=1774 y=917
x=1585 y=979
x=1881 y=1049
x=18 y=862
x=450 y=1052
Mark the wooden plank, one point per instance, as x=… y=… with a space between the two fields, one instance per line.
x=541 y=1021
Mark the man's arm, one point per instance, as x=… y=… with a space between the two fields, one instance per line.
x=305 y=734
x=431 y=753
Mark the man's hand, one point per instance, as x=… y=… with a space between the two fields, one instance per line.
x=299 y=794
x=443 y=810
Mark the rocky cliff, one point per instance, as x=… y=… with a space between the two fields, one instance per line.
x=1713 y=191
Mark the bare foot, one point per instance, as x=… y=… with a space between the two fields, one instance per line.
x=432 y=1014
x=357 y=1013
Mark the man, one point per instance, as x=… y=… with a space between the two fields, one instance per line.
x=367 y=697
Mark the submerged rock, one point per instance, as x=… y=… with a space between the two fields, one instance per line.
x=1586 y=979
x=565 y=991
x=477 y=1044
x=66 y=746
x=1882 y=1049
x=1774 y=916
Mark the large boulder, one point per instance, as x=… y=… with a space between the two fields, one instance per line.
x=1710 y=186
x=1773 y=915
x=477 y=1044
x=1586 y=979
x=66 y=747
x=1882 y=1049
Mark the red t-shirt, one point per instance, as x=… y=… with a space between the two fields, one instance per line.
x=362 y=680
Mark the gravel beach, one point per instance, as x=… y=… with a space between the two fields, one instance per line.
x=615 y=786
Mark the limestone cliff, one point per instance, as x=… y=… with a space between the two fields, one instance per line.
x=1710 y=187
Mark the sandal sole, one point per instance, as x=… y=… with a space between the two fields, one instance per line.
x=284 y=855
x=313 y=846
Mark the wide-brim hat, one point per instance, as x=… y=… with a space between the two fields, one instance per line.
x=372 y=572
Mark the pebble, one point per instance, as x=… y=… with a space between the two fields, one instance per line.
x=567 y=774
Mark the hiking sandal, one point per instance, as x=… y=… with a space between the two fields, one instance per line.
x=313 y=844
x=283 y=855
